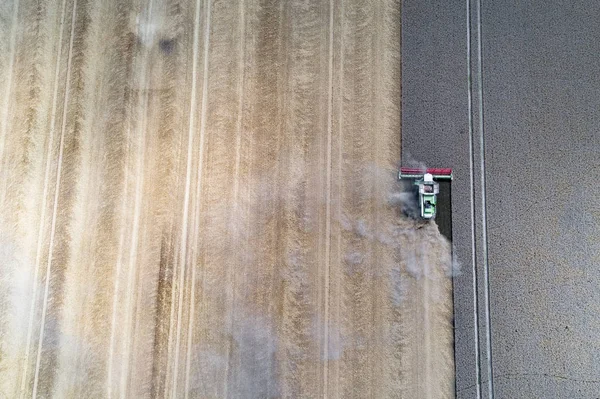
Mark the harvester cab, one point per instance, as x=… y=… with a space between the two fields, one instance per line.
x=426 y=187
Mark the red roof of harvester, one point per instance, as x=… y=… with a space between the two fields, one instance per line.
x=433 y=171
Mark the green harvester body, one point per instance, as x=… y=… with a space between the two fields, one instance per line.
x=426 y=187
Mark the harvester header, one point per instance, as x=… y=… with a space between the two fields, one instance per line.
x=415 y=173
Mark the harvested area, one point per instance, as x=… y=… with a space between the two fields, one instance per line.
x=197 y=199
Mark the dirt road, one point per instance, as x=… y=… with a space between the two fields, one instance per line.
x=195 y=202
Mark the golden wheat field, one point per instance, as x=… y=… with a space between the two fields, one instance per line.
x=195 y=203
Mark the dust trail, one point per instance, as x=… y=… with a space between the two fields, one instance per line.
x=428 y=309
x=420 y=289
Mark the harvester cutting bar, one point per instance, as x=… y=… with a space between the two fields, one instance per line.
x=416 y=173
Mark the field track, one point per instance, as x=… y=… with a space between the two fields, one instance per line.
x=195 y=202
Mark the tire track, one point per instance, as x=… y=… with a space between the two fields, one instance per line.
x=162 y=195
x=189 y=29
x=328 y=191
x=94 y=221
x=46 y=189
x=357 y=265
x=168 y=133
x=8 y=85
x=23 y=189
x=302 y=155
x=199 y=189
x=216 y=213
x=237 y=227
x=183 y=260
x=140 y=131
x=427 y=317
x=253 y=363
x=385 y=89
x=334 y=337
x=57 y=193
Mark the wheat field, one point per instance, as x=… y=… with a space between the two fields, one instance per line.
x=195 y=203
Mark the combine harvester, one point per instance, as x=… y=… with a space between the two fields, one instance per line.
x=426 y=187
